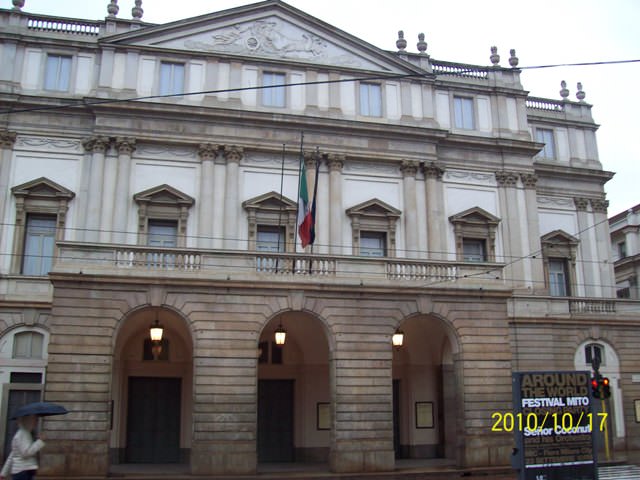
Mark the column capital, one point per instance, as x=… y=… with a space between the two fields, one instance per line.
x=336 y=162
x=310 y=159
x=125 y=145
x=233 y=154
x=599 y=205
x=208 y=151
x=581 y=203
x=529 y=180
x=433 y=170
x=7 y=138
x=97 y=144
x=506 y=178
x=409 y=168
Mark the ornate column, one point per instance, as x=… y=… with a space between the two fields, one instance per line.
x=219 y=188
x=97 y=146
x=207 y=153
x=336 y=210
x=512 y=234
x=603 y=247
x=436 y=223
x=322 y=213
x=535 y=265
x=589 y=269
x=125 y=146
x=409 y=170
x=232 y=155
x=7 y=140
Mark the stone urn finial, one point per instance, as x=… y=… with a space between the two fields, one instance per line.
x=513 y=60
x=564 y=91
x=495 y=58
x=580 y=93
x=113 y=8
x=422 y=45
x=136 y=12
x=18 y=4
x=401 y=43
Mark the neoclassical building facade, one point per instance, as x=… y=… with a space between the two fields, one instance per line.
x=149 y=174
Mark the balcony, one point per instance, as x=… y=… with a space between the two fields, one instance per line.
x=539 y=307
x=197 y=264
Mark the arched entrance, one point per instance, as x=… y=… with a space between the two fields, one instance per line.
x=152 y=390
x=293 y=391
x=609 y=367
x=425 y=397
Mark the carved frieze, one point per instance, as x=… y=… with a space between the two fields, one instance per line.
x=49 y=144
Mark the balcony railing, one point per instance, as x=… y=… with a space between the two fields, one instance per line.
x=579 y=305
x=459 y=70
x=43 y=23
x=546 y=104
x=132 y=259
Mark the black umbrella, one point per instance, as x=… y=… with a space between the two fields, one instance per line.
x=41 y=409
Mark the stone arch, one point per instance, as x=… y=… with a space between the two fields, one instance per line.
x=167 y=380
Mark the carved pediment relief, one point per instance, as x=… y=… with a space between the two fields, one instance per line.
x=474 y=215
x=374 y=208
x=164 y=195
x=271 y=30
x=42 y=188
x=270 y=201
x=559 y=237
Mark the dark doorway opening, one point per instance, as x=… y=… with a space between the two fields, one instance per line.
x=153 y=420
x=396 y=419
x=17 y=398
x=275 y=421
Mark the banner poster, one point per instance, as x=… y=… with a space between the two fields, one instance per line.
x=553 y=424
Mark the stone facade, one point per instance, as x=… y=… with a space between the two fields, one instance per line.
x=451 y=207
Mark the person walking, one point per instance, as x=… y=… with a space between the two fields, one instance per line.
x=22 y=462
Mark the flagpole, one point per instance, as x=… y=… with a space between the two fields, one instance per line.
x=280 y=211
x=295 y=243
x=313 y=203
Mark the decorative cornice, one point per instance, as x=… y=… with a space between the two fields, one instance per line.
x=599 y=205
x=433 y=170
x=208 y=151
x=529 y=180
x=506 y=178
x=96 y=144
x=233 y=154
x=581 y=203
x=125 y=145
x=409 y=168
x=7 y=138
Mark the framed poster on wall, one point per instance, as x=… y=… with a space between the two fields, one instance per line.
x=424 y=414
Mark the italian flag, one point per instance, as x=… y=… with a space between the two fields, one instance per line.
x=306 y=212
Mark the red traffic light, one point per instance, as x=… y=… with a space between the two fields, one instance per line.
x=594 y=383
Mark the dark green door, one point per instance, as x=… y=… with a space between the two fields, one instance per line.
x=275 y=421
x=153 y=421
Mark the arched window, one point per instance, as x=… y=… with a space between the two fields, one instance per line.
x=28 y=345
x=594 y=351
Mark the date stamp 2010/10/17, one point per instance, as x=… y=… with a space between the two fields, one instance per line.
x=558 y=422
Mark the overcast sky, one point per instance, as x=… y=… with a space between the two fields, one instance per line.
x=542 y=32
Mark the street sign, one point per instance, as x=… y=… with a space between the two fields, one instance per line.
x=553 y=424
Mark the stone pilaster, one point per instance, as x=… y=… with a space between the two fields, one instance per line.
x=603 y=246
x=409 y=170
x=518 y=267
x=97 y=147
x=529 y=182
x=323 y=207
x=232 y=155
x=336 y=210
x=436 y=240
x=586 y=235
x=125 y=146
x=207 y=153
x=7 y=140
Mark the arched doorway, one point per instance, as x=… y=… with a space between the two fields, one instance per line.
x=294 y=397
x=425 y=397
x=152 y=390
x=609 y=367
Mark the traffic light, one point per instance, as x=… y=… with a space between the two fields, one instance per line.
x=595 y=387
x=606 y=391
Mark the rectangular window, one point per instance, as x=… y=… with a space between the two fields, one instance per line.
x=57 y=73
x=270 y=239
x=39 y=244
x=473 y=250
x=373 y=244
x=622 y=250
x=463 y=113
x=162 y=233
x=545 y=135
x=274 y=96
x=171 y=78
x=370 y=99
x=558 y=277
x=28 y=345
